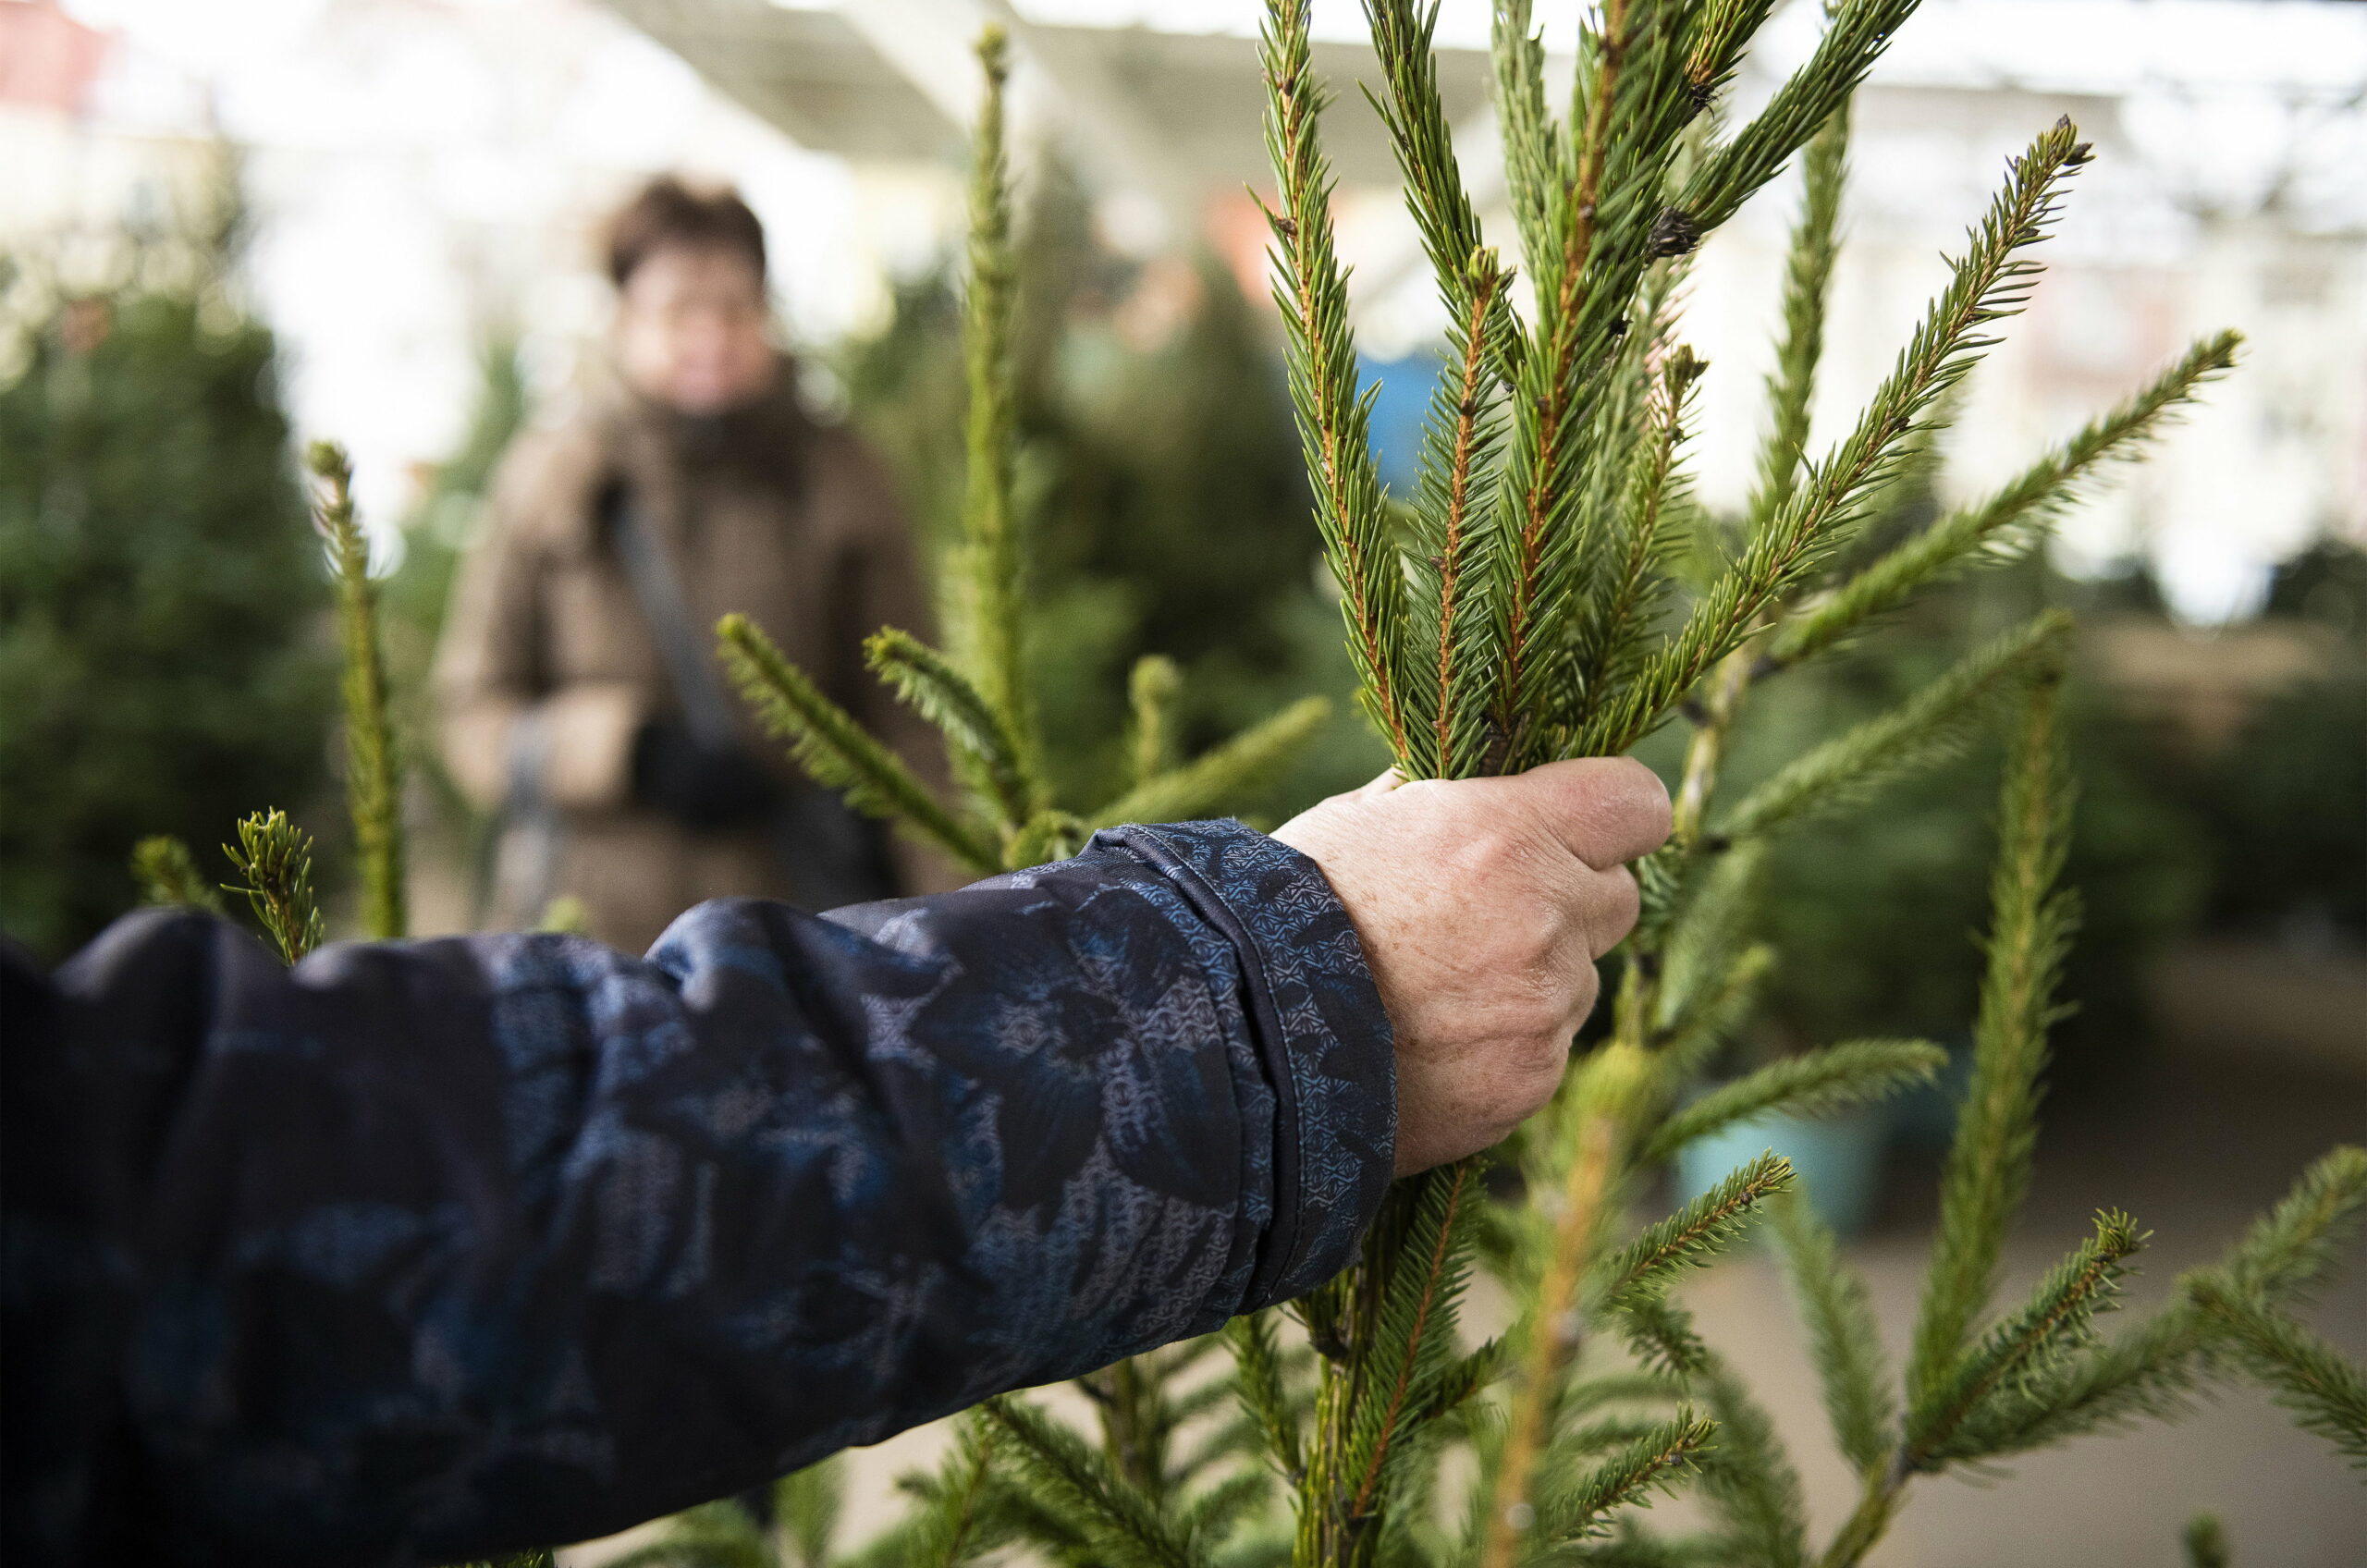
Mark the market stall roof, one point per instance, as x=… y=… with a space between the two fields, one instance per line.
x=874 y=81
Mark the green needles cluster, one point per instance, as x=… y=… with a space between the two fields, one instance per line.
x=273 y=859
x=975 y=690
x=1551 y=587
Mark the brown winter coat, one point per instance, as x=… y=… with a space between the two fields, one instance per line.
x=760 y=511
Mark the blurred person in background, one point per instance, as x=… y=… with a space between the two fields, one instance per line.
x=577 y=684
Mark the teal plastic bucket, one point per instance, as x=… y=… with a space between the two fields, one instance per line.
x=1839 y=1159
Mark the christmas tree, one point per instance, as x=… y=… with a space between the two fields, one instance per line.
x=1551 y=590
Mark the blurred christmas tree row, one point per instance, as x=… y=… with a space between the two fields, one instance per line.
x=164 y=662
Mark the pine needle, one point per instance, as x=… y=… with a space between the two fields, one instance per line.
x=168 y=875
x=806 y=1504
x=1123 y=1526
x=1749 y=1478
x=1220 y=775
x=1534 y=147
x=982 y=739
x=2009 y=522
x=1988 y=1167
x=955 y=1527
x=373 y=767
x=2155 y=1369
x=1656 y=1462
x=1334 y=419
x=1610 y=222
x=1934 y=726
x=1412 y=1341
x=1818 y=1083
x=1711 y=1015
x=1808 y=273
x=2326 y=1391
x=1152 y=688
x=1990 y=282
x=274 y=857
x=1845 y=1340
x=1047 y=836
x=1807 y=99
x=837 y=750
x=2013 y=1363
x=1690 y=1237
x=983 y=573
x=2288 y=1252
x=1616 y=617
x=1257 y=1363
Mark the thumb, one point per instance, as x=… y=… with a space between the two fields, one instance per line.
x=1606 y=811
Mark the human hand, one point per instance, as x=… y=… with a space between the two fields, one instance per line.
x=1483 y=904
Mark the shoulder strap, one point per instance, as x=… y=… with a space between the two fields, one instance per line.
x=707 y=708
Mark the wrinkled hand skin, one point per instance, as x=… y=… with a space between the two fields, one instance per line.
x=1483 y=904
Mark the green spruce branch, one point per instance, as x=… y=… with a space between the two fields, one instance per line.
x=168 y=877
x=273 y=859
x=2205 y=1542
x=2009 y=522
x=1807 y=276
x=1818 y=1083
x=1655 y=1461
x=1748 y=1478
x=1990 y=283
x=1085 y=1490
x=2013 y=1359
x=1935 y=725
x=1152 y=688
x=980 y=734
x=2326 y=1391
x=1987 y=1168
x=989 y=625
x=1845 y=1340
x=373 y=766
x=1224 y=772
x=1334 y=419
x=2156 y=1369
x=840 y=753
x=1854 y=38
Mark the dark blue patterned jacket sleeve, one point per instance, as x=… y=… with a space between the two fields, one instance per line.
x=424 y=1251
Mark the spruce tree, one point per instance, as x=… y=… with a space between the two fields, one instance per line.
x=159 y=672
x=1552 y=589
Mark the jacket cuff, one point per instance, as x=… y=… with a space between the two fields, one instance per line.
x=1323 y=1035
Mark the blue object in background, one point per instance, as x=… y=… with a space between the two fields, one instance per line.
x=1925 y=1116
x=1839 y=1159
x=1400 y=401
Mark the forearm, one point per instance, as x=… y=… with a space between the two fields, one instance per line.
x=469 y=1245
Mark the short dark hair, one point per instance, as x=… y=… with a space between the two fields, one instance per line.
x=667 y=210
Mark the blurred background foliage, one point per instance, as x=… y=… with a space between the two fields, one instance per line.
x=161 y=664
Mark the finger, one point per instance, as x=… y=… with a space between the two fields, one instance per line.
x=1381 y=784
x=1612 y=904
x=1606 y=811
